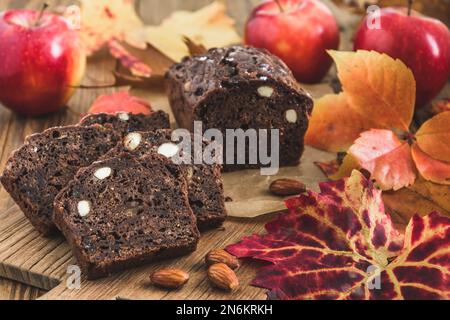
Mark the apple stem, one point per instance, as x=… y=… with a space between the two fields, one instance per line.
x=41 y=13
x=410 y=3
x=279 y=5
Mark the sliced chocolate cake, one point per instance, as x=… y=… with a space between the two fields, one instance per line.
x=204 y=180
x=35 y=173
x=124 y=122
x=241 y=87
x=121 y=212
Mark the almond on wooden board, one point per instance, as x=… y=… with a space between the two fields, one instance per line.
x=222 y=276
x=287 y=187
x=169 y=278
x=220 y=255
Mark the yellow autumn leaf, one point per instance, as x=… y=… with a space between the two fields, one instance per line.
x=377 y=86
x=349 y=164
x=104 y=20
x=209 y=26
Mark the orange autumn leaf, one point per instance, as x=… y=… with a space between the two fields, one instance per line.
x=433 y=137
x=378 y=93
x=377 y=86
x=105 y=20
x=429 y=168
x=333 y=126
x=387 y=158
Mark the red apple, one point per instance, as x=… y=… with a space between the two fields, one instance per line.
x=42 y=59
x=422 y=43
x=297 y=31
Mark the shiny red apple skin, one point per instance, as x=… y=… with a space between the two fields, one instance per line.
x=40 y=64
x=300 y=35
x=422 y=43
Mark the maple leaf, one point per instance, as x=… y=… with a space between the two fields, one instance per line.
x=340 y=244
x=105 y=20
x=120 y=101
x=209 y=27
x=386 y=157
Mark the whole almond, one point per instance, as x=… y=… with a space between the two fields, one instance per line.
x=220 y=255
x=169 y=278
x=287 y=187
x=222 y=276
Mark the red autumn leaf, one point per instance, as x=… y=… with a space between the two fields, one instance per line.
x=429 y=168
x=129 y=61
x=340 y=244
x=120 y=101
x=387 y=158
x=328 y=168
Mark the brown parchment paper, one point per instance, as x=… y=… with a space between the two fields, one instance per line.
x=249 y=190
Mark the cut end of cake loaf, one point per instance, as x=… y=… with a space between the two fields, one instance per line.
x=241 y=87
x=124 y=122
x=205 y=186
x=122 y=212
x=42 y=167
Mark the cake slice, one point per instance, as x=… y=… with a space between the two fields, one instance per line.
x=36 y=172
x=121 y=212
x=241 y=87
x=204 y=181
x=124 y=122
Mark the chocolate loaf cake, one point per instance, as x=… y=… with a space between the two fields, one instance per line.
x=205 y=187
x=124 y=122
x=121 y=212
x=241 y=87
x=35 y=173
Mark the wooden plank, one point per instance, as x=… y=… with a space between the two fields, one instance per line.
x=11 y=290
x=134 y=284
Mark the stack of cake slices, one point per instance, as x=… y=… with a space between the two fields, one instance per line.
x=110 y=185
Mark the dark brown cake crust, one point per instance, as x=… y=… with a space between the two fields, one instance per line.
x=222 y=89
x=133 y=212
x=124 y=122
x=36 y=172
x=205 y=186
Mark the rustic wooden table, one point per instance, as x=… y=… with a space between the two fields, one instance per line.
x=13 y=128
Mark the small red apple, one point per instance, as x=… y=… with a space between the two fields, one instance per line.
x=422 y=43
x=297 y=31
x=42 y=59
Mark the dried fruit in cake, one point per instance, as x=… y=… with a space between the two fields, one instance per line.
x=204 y=180
x=123 y=212
x=241 y=87
x=37 y=171
x=124 y=122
